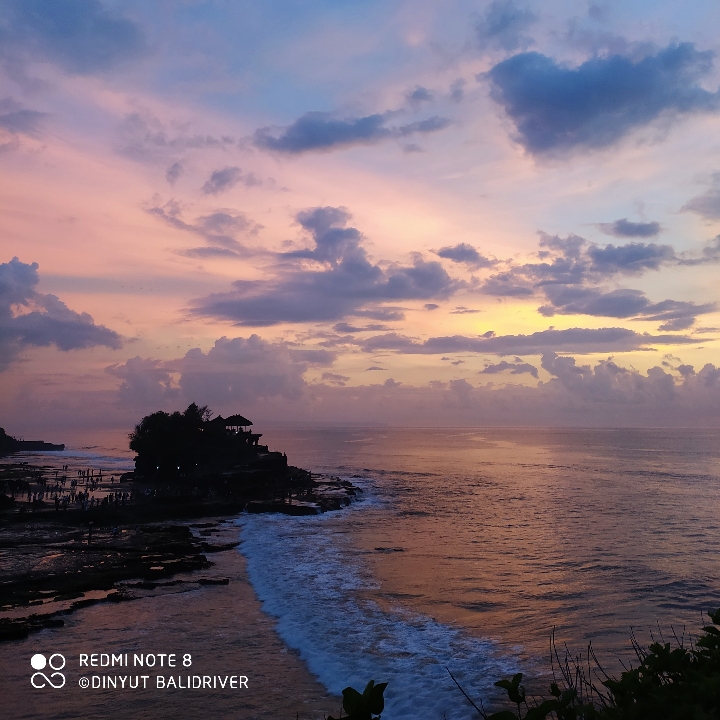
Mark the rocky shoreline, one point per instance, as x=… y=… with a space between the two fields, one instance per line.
x=124 y=538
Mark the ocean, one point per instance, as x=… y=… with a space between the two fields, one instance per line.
x=467 y=549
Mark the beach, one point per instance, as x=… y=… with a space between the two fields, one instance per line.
x=221 y=626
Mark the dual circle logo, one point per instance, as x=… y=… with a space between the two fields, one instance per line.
x=55 y=662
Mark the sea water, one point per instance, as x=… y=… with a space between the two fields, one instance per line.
x=472 y=545
x=468 y=547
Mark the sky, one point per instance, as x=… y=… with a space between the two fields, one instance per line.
x=407 y=213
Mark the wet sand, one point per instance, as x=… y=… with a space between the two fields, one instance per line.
x=221 y=626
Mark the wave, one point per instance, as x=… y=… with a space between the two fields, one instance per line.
x=308 y=576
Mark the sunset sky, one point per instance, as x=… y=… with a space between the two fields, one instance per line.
x=404 y=212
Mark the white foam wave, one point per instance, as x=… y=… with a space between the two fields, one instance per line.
x=309 y=577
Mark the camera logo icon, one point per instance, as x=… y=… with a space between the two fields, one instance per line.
x=39 y=679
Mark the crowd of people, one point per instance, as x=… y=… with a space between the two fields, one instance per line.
x=86 y=489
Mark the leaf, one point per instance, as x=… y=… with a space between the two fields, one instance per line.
x=375 y=700
x=353 y=702
x=543 y=710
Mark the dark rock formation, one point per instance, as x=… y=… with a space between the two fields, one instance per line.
x=9 y=445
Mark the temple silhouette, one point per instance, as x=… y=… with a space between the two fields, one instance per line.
x=191 y=444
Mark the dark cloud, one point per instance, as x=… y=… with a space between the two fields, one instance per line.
x=322 y=131
x=330 y=281
x=419 y=94
x=707 y=204
x=626 y=228
x=457 y=90
x=29 y=318
x=674 y=314
x=423 y=126
x=343 y=327
x=222 y=180
x=503 y=26
x=570 y=273
x=575 y=340
x=431 y=306
x=467 y=254
x=462 y=310
x=174 y=172
x=219 y=229
x=515 y=368
x=335 y=379
x=16 y=119
x=595 y=104
x=80 y=36
x=633 y=258
x=385 y=314
x=710 y=254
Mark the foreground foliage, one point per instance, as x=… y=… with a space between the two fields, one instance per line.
x=367 y=706
x=669 y=683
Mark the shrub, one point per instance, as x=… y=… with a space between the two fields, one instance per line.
x=367 y=706
x=669 y=683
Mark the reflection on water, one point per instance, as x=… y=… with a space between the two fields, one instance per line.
x=509 y=532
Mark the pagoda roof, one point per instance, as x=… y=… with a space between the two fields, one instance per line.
x=237 y=420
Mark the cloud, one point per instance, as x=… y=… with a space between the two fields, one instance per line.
x=328 y=282
x=174 y=172
x=707 y=204
x=335 y=379
x=516 y=368
x=242 y=370
x=235 y=371
x=457 y=90
x=323 y=131
x=29 y=318
x=145 y=138
x=18 y=120
x=503 y=25
x=219 y=229
x=347 y=328
x=675 y=314
x=265 y=380
x=419 y=94
x=555 y=108
x=81 y=36
x=575 y=340
x=222 y=180
x=633 y=258
x=625 y=228
x=144 y=382
x=467 y=254
x=570 y=274
x=603 y=381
